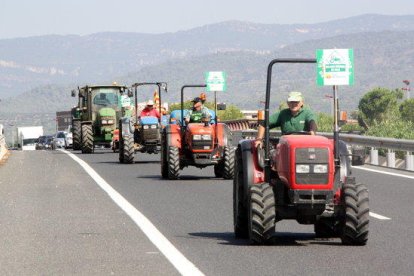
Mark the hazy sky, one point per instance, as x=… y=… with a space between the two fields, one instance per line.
x=21 y=18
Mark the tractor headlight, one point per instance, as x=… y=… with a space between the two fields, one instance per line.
x=153 y=126
x=301 y=168
x=320 y=168
x=206 y=137
x=104 y=122
x=110 y=122
x=145 y=127
x=197 y=137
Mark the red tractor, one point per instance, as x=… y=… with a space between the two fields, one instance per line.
x=305 y=178
x=197 y=144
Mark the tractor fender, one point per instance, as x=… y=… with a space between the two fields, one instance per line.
x=224 y=135
x=86 y=123
x=125 y=126
x=252 y=173
x=344 y=155
x=173 y=135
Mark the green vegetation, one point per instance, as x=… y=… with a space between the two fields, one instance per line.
x=383 y=113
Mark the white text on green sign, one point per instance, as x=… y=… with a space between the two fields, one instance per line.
x=216 y=81
x=335 y=67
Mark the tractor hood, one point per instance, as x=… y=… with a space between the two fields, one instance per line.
x=197 y=128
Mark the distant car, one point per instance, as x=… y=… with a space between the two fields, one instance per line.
x=40 y=144
x=59 y=140
x=49 y=142
x=69 y=140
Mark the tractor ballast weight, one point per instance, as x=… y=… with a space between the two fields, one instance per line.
x=196 y=144
x=96 y=116
x=305 y=178
x=140 y=134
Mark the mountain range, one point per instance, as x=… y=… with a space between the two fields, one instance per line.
x=37 y=73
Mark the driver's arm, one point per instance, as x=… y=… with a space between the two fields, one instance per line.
x=312 y=127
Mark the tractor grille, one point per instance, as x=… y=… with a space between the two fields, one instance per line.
x=202 y=144
x=314 y=166
x=150 y=134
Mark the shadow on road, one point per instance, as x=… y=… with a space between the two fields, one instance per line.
x=280 y=239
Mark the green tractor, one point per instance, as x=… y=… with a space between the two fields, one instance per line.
x=96 y=116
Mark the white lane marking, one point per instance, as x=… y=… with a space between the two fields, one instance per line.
x=377 y=216
x=389 y=173
x=176 y=258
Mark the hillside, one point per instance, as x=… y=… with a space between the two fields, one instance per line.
x=26 y=63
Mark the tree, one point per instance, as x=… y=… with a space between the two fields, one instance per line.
x=380 y=105
x=407 y=110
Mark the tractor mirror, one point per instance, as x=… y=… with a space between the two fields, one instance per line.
x=73 y=93
x=358 y=155
x=221 y=106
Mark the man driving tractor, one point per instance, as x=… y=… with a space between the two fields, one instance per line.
x=295 y=118
x=198 y=113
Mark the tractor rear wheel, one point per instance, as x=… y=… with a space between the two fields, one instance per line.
x=173 y=162
x=128 y=150
x=262 y=213
x=121 y=150
x=228 y=168
x=356 y=216
x=164 y=162
x=76 y=135
x=240 y=215
x=87 y=139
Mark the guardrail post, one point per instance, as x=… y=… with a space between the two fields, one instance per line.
x=374 y=156
x=409 y=161
x=391 y=158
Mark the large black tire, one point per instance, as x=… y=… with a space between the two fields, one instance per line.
x=173 y=163
x=356 y=214
x=121 y=150
x=128 y=150
x=164 y=161
x=87 y=139
x=240 y=215
x=325 y=228
x=76 y=135
x=228 y=168
x=218 y=170
x=262 y=213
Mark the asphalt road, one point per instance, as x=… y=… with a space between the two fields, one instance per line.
x=55 y=219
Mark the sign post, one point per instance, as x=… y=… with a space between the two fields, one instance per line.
x=335 y=67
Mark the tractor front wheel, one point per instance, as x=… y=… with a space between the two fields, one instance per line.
x=228 y=168
x=87 y=139
x=128 y=149
x=262 y=213
x=356 y=214
x=173 y=162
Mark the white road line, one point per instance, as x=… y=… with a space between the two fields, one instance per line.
x=176 y=258
x=378 y=216
x=389 y=173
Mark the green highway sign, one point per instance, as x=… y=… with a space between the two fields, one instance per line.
x=335 y=67
x=216 y=81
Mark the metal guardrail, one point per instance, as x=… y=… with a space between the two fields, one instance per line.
x=246 y=129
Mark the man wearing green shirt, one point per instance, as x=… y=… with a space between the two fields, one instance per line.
x=292 y=119
x=199 y=113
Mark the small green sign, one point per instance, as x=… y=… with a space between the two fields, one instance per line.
x=125 y=101
x=335 y=67
x=216 y=81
